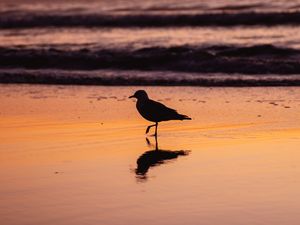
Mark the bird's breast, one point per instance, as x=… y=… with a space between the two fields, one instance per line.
x=146 y=112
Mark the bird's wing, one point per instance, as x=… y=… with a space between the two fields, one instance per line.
x=164 y=112
x=159 y=107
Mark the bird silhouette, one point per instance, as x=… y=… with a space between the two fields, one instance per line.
x=155 y=111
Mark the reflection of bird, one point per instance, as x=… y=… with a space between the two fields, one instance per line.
x=155 y=111
x=154 y=158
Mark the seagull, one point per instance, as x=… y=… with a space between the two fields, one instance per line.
x=155 y=111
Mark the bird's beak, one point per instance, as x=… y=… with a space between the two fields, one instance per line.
x=132 y=96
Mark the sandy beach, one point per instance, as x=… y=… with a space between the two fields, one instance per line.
x=68 y=155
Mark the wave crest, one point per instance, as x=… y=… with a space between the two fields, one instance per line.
x=257 y=59
x=106 y=77
x=26 y=20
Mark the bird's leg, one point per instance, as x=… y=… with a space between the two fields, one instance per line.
x=148 y=128
x=156 y=125
x=156 y=143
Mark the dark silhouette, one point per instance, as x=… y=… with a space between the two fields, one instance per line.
x=155 y=158
x=155 y=111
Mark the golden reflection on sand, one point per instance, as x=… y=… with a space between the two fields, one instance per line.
x=66 y=152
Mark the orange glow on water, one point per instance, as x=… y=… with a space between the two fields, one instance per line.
x=65 y=154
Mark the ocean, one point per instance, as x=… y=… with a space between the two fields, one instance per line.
x=168 y=42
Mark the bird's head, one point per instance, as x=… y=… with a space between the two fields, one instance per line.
x=140 y=95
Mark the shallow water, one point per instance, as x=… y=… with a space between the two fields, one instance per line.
x=134 y=38
x=69 y=156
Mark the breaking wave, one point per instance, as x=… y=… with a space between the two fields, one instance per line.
x=109 y=77
x=13 y=19
x=257 y=59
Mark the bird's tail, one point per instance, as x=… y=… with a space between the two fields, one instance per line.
x=184 y=117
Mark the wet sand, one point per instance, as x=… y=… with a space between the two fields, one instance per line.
x=68 y=155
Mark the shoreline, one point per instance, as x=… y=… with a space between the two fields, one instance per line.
x=143 y=78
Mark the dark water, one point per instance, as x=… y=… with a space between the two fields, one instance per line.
x=170 y=42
